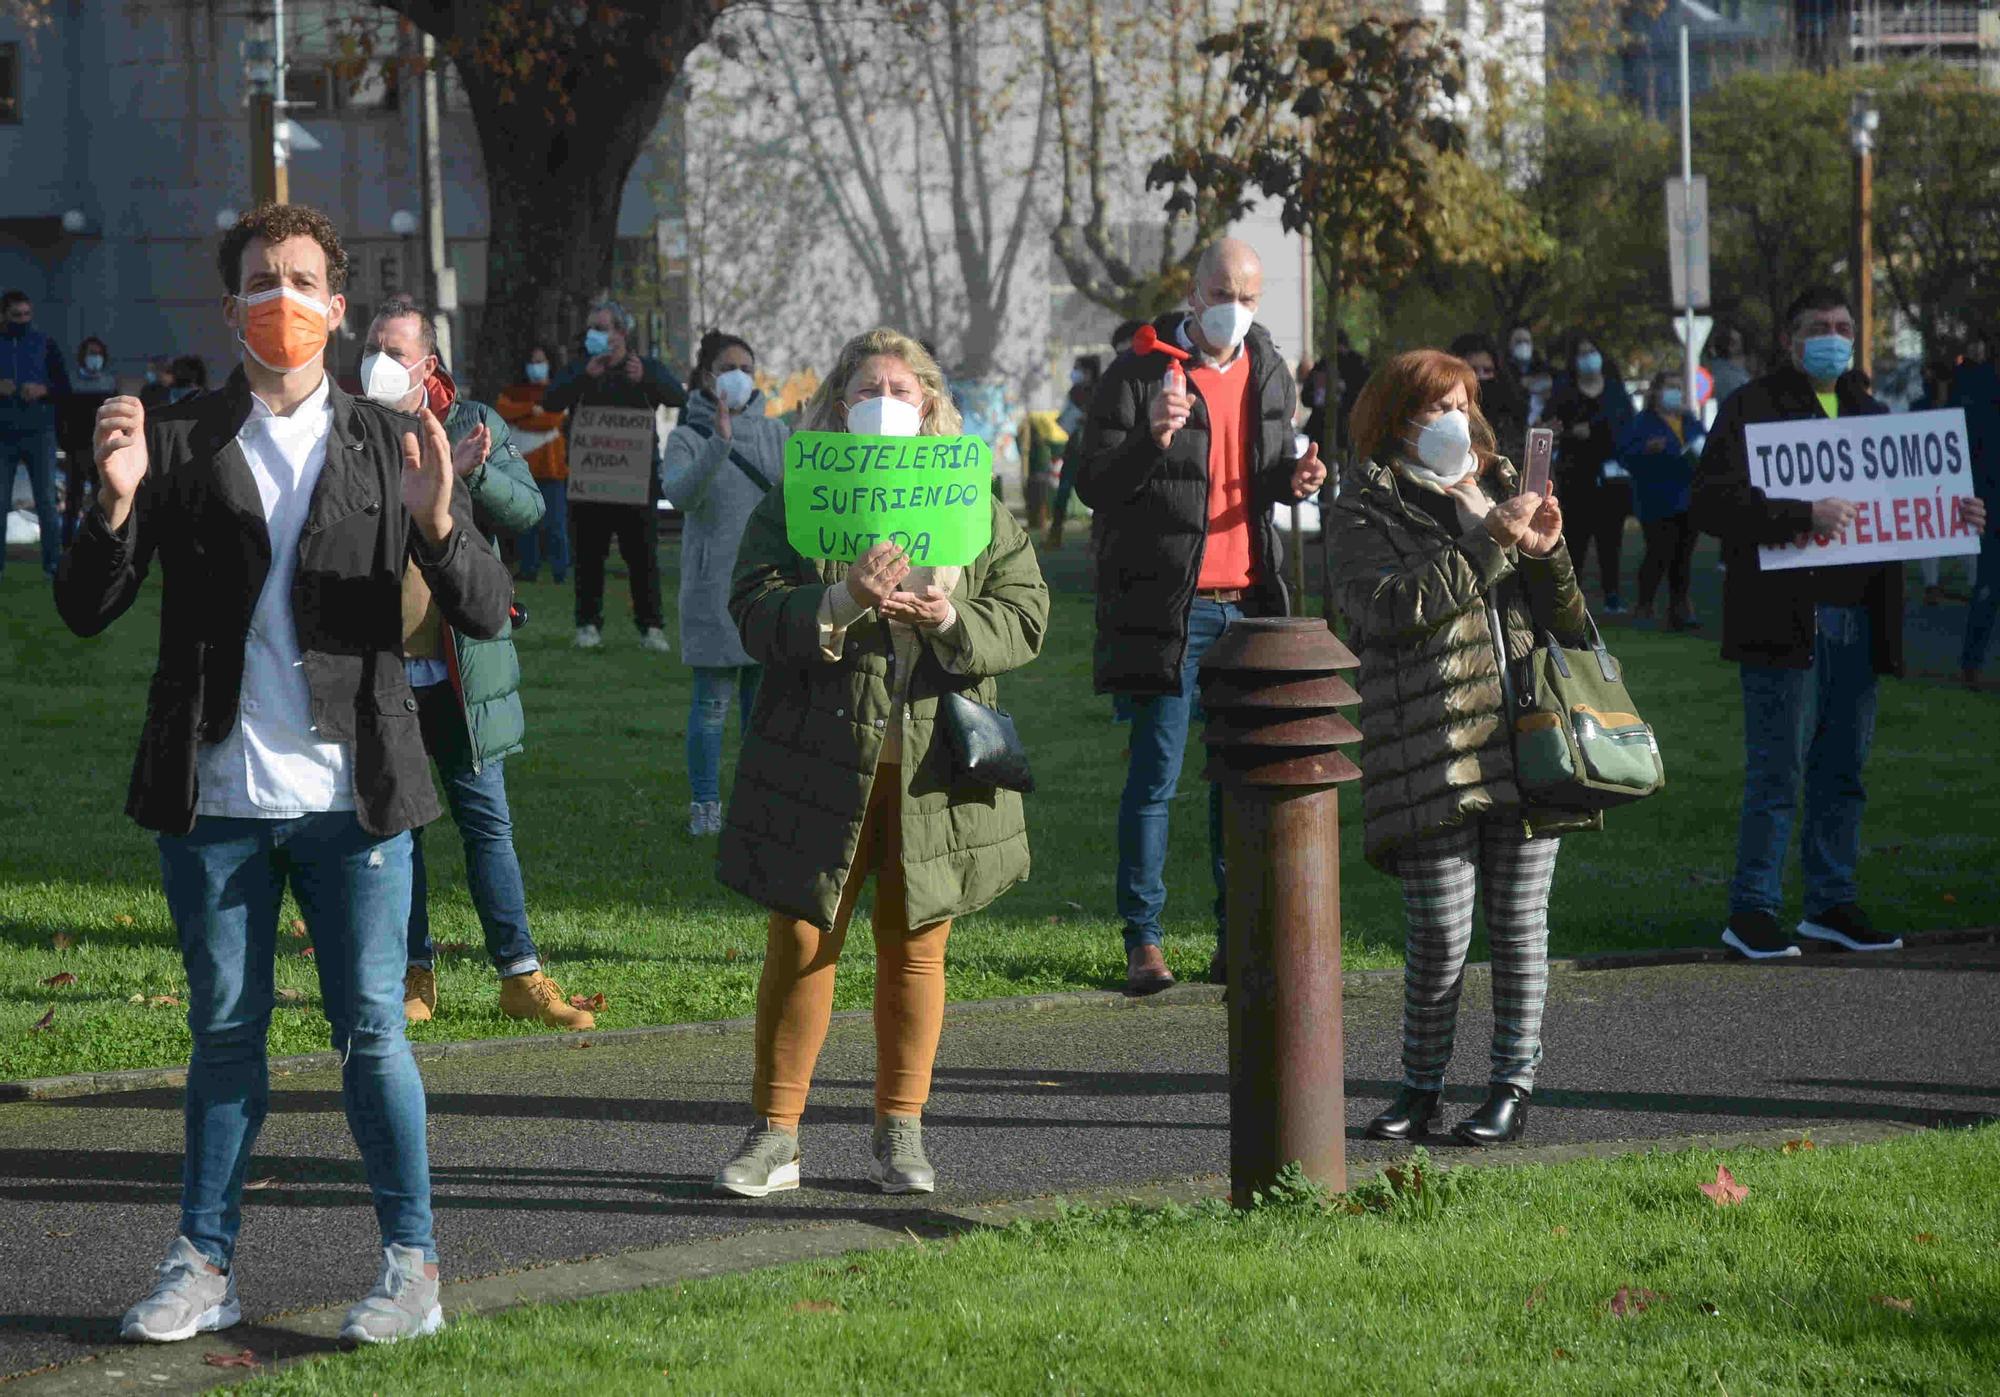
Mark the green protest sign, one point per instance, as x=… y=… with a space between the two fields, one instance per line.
x=931 y=496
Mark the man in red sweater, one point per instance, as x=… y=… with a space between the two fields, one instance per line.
x=1182 y=468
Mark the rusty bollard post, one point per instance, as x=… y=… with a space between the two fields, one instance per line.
x=1272 y=690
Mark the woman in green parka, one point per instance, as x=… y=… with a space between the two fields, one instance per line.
x=846 y=773
x=1441 y=562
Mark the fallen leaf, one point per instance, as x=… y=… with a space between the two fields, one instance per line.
x=124 y=919
x=306 y=951
x=1561 y=1353
x=1048 y=1084
x=815 y=1307
x=1710 y=1308
x=56 y=982
x=1725 y=1192
x=45 y=1021
x=164 y=1001
x=298 y=926
x=242 y=1358
x=1055 y=921
x=1926 y=1239
x=592 y=1002
x=1951 y=897
x=59 y=1235
x=1891 y=1302
x=731 y=954
x=137 y=999
x=1633 y=1301
x=1534 y=1299
x=62 y=941
x=269 y=1181
x=1559 y=1231
x=288 y=995
x=1796 y=1146
x=1410 y=1181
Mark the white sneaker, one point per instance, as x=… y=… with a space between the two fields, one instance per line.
x=704 y=818
x=187 y=1299
x=588 y=637
x=403 y=1304
x=655 y=640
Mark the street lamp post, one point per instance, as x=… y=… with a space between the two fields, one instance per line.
x=1861 y=125
x=260 y=72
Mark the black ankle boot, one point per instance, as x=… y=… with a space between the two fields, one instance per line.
x=1411 y=1114
x=1500 y=1120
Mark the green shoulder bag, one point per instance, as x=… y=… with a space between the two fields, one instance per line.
x=1579 y=742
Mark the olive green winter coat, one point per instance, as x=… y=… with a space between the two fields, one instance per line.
x=505 y=502
x=809 y=760
x=1435 y=744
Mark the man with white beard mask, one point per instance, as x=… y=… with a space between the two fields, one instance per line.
x=1189 y=444
x=467 y=690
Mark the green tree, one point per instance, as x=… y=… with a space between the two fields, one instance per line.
x=1937 y=202
x=1358 y=116
x=1775 y=150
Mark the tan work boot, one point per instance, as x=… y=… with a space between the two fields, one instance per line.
x=535 y=996
x=420 y=995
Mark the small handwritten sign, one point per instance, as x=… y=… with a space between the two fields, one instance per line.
x=611 y=455
x=1909 y=475
x=931 y=496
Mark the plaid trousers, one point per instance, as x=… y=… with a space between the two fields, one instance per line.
x=1440 y=874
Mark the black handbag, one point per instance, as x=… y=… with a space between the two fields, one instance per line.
x=986 y=748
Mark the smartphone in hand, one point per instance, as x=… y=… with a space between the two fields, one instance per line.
x=1541 y=452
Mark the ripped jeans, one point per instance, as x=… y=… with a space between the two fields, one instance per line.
x=224 y=882
x=708 y=715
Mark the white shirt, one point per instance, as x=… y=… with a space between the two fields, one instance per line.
x=273 y=766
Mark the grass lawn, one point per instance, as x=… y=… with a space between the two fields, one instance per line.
x=624 y=903
x=1871 y=1268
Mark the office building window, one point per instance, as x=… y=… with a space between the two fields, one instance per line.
x=10 y=84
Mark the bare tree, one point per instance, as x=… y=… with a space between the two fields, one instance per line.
x=922 y=124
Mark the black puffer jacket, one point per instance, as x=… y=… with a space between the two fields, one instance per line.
x=1152 y=511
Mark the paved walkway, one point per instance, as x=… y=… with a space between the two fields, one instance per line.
x=552 y=1154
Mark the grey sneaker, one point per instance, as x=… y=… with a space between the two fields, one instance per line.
x=655 y=640
x=187 y=1299
x=403 y=1304
x=900 y=1165
x=588 y=637
x=767 y=1163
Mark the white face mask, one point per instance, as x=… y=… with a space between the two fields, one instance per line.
x=1444 y=449
x=884 y=417
x=1224 y=326
x=385 y=381
x=734 y=388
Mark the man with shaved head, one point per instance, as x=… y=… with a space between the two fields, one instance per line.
x=1187 y=448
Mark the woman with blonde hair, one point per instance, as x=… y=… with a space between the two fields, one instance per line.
x=847 y=773
x=1446 y=573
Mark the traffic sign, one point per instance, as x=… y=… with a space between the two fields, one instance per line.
x=1687 y=241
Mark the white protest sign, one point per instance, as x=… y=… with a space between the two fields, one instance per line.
x=611 y=455
x=1908 y=474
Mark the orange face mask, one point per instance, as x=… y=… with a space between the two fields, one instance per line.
x=284 y=330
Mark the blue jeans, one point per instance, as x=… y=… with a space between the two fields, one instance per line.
x=477 y=799
x=1816 y=723
x=1159 y=742
x=708 y=715
x=223 y=882
x=552 y=533
x=1985 y=602
x=37 y=451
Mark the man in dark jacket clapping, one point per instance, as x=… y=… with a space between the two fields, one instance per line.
x=281 y=743
x=1183 y=457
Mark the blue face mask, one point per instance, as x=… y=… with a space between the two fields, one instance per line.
x=596 y=342
x=538 y=373
x=1826 y=357
x=1589 y=364
x=1670 y=400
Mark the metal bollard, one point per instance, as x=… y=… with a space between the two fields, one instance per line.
x=1272 y=691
